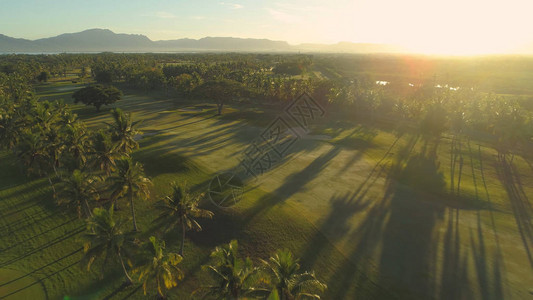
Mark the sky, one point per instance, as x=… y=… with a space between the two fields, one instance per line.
x=428 y=26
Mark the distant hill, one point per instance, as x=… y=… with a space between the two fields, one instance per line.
x=95 y=40
x=9 y=44
x=224 y=43
x=98 y=40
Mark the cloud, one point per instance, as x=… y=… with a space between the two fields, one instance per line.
x=232 y=5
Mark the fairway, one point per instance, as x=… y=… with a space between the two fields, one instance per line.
x=17 y=285
x=370 y=209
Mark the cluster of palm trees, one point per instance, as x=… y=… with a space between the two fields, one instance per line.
x=279 y=277
x=232 y=276
x=93 y=172
x=84 y=167
x=106 y=240
x=155 y=268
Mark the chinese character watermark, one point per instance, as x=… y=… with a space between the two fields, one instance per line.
x=273 y=144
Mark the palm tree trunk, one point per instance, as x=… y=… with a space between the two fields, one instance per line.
x=115 y=204
x=89 y=213
x=133 y=211
x=129 y=280
x=182 y=236
x=53 y=187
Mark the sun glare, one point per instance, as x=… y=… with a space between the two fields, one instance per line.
x=453 y=27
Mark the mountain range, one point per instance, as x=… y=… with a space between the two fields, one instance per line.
x=99 y=40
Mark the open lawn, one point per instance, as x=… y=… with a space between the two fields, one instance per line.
x=377 y=215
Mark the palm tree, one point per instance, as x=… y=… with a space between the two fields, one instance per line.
x=32 y=152
x=104 y=239
x=123 y=131
x=79 y=189
x=102 y=152
x=77 y=142
x=129 y=181
x=161 y=268
x=181 y=208
x=11 y=125
x=288 y=282
x=235 y=277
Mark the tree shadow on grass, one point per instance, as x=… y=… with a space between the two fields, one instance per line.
x=41 y=280
x=335 y=226
x=401 y=225
x=44 y=246
x=520 y=204
x=489 y=278
x=47 y=230
x=293 y=184
x=228 y=224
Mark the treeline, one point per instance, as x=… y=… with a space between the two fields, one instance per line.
x=92 y=173
x=419 y=87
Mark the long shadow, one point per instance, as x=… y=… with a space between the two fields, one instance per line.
x=32 y=204
x=474 y=178
x=189 y=123
x=487 y=195
x=453 y=160
x=55 y=241
x=18 y=243
x=293 y=184
x=527 y=162
x=454 y=263
x=403 y=225
x=372 y=177
x=24 y=224
x=359 y=139
x=343 y=208
x=23 y=219
x=360 y=269
x=20 y=191
x=490 y=285
x=130 y=294
x=520 y=205
x=409 y=239
x=40 y=281
x=115 y=292
x=41 y=268
x=227 y=225
x=23 y=288
x=334 y=226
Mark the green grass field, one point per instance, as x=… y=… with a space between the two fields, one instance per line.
x=377 y=216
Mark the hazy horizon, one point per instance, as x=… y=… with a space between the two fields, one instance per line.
x=451 y=27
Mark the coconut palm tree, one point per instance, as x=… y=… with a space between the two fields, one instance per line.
x=102 y=153
x=181 y=209
x=129 y=181
x=161 y=268
x=123 y=131
x=31 y=151
x=77 y=142
x=11 y=125
x=286 y=279
x=104 y=239
x=235 y=277
x=79 y=189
